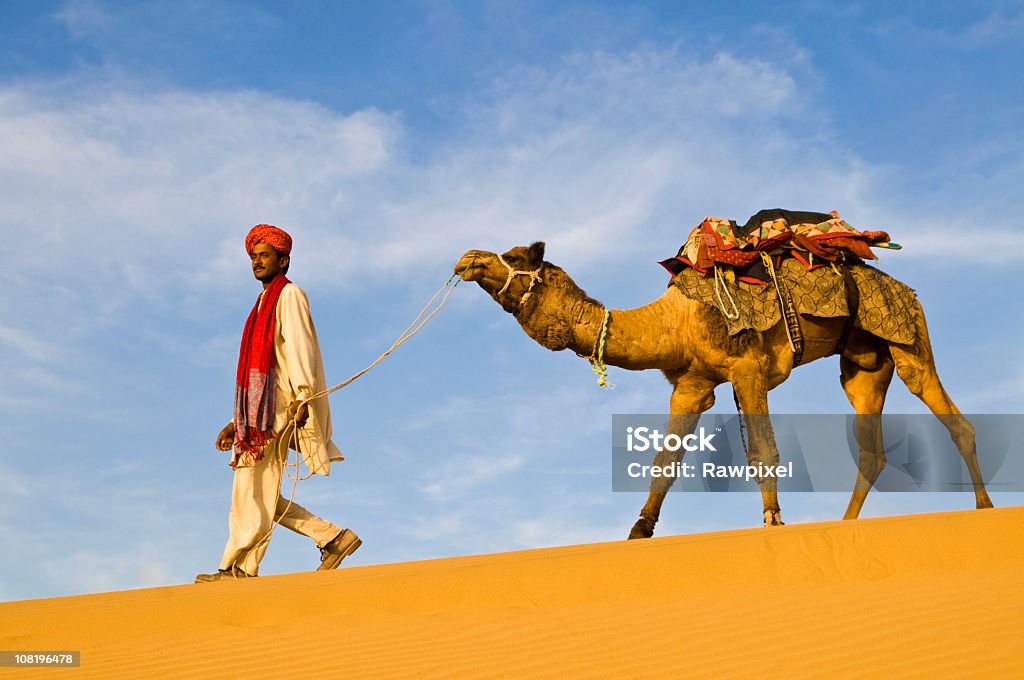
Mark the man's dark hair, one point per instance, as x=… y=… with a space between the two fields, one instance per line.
x=284 y=269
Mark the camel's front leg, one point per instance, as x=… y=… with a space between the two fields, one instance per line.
x=690 y=398
x=752 y=392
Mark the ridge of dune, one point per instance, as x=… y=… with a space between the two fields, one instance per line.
x=910 y=596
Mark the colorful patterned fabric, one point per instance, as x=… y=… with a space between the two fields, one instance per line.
x=887 y=308
x=255 y=379
x=276 y=238
x=717 y=241
x=829 y=239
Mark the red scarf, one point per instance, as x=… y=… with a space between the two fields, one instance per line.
x=254 y=382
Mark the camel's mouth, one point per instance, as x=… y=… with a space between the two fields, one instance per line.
x=470 y=266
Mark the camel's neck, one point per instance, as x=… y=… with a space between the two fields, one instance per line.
x=634 y=338
x=645 y=337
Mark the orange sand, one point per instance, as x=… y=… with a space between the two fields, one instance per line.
x=927 y=596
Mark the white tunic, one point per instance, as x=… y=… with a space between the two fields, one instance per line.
x=300 y=374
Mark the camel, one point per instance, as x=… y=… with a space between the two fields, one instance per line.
x=689 y=343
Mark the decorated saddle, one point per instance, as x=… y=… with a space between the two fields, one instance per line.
x=814 y=239
x=785 y=263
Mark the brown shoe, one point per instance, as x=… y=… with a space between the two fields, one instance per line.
x=223 y=575
x=340 y=547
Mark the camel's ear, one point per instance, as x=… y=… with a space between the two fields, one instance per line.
x=537 y=252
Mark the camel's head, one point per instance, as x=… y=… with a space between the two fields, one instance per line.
x=510 y=278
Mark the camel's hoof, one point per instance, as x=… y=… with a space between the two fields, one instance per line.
x=644 y=528
x=773 y=518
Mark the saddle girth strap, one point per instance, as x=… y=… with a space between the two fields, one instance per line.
x=792 y=319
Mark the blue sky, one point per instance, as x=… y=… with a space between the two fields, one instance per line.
x=139 y=142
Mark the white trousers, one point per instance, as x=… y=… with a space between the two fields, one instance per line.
x=256 y=503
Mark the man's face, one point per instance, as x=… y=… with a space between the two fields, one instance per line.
x=266 y=262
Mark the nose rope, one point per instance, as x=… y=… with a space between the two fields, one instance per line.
x=512 y=273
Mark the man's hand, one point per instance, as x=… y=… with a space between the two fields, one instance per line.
x=298 y=413
x=226 y=437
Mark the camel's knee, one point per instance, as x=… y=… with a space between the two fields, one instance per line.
x=963 y=434
x=912 y=377
x=764 y=455
x=871 y=466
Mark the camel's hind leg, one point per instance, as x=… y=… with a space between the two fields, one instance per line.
x=690 y=398
x=866 y=391
x=915 y=365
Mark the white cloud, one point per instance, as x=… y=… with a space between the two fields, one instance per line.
x=29 y=346
x=84 y=19
x=11 y=484
x=583 y=155
x=995 y=28
x=966 y=244
x=463 y=475
x=147 y=177
x=985 y=31
x=156 y=26
x=1002 y=393
x=126 y=200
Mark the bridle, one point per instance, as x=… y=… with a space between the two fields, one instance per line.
x=512 y=273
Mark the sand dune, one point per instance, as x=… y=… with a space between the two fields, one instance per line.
x=938 y=595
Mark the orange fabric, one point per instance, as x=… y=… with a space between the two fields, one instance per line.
x=276 y=238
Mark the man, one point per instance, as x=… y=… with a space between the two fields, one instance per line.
x=279 y=366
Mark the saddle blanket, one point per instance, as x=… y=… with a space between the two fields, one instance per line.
x=886 y=309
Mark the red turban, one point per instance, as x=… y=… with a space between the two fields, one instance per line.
x=278 y=239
